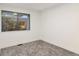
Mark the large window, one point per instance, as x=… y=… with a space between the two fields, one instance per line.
x=12 y=21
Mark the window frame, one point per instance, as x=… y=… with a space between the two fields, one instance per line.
x=16 y=20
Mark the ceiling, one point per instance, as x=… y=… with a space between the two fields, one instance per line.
x=33 y=6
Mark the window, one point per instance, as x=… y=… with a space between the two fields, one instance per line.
x=12 y=21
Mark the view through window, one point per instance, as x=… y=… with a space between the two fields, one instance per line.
x=12 y=21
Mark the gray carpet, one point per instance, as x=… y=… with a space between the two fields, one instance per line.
x=36 y=48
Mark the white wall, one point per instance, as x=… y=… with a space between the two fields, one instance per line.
x=17 y=37
x=60 y=26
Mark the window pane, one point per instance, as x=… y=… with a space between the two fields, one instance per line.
x=9 y=20
x=23 y=21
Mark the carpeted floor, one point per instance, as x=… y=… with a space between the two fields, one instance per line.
x=36 y=48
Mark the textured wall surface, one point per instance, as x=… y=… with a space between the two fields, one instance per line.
x=35 y=48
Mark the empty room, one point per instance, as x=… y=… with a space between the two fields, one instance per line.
x=39 y=29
